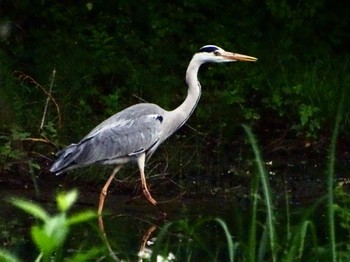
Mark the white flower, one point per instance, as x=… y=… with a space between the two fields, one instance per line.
x=169 y=258
x=145 y=253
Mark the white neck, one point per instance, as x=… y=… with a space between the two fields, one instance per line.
x=184 y=111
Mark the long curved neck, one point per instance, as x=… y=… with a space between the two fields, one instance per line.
x=184 y=111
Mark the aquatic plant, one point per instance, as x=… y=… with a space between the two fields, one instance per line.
x=6 y=256
x=50 y=234
x=330 y=179
x=297 y=242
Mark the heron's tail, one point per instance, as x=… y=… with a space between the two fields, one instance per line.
x=65 y=159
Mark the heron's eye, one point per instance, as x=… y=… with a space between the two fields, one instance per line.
x=216 y=53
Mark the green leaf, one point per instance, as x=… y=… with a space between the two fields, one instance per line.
x=51 y=235
x=90 y=255
x=81 y=217
x=56 y=227
x=30 y=208
x=42 y=240
x=66 y=200
x=7 y=257
x=89 y=6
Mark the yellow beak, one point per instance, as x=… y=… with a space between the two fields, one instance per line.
x=238 y=57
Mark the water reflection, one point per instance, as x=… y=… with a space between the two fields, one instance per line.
x=130 y=231
x=125 y=230
x=144 y=251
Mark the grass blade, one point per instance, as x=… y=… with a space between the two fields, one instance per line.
x=266 y=190
x=295 y=253
x=330 y=180
x=231 y=246
x=251 y=252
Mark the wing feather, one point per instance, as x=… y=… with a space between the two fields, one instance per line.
x=122 y=136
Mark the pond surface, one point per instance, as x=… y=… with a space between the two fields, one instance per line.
x=132 y=225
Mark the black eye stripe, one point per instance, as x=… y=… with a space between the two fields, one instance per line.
x=208 y=49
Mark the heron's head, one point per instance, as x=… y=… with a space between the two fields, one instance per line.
x=215 y=54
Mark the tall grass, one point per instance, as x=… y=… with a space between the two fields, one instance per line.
x=251 y=256
x=330 y=180
x=267 y=197
x=299 y=243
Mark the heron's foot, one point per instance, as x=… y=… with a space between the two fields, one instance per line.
x=154 y=203
x=149 y=197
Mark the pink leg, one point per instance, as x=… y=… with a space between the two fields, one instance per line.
x=103 y=193
x=141 y=163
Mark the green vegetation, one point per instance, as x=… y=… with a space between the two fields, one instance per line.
x=66 y=66
x=271 y=235
x=301 y=242
x=107 y=56
x=51 y=232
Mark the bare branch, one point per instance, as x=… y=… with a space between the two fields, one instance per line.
x=47 y=100
x=25 y=78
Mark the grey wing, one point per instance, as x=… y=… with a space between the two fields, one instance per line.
x=126 y=138
x=134 y=130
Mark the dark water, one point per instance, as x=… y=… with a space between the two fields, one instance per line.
x=132 y=225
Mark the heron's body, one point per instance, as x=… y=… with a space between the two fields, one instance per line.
x=117 y=140
x=137 y=131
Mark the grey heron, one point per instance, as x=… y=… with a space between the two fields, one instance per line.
x=136 y=132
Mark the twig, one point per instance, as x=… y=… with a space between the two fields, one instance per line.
x=24 y=77
x=140 y=98
x=47 y=100
x=42 y=140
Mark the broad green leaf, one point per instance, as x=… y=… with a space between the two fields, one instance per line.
x=51 y=235
x=31 y=208
x=42 y=240
x=56 y=227
x=66 y=200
